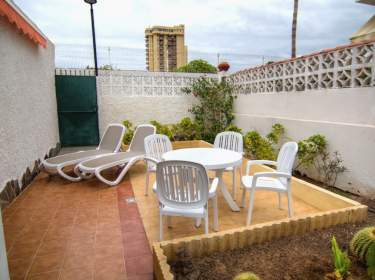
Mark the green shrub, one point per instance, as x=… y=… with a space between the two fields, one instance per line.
x=258 y=147
x=198 y=66
x=246 y=276
x=276 y=133
x=128 y=136
x=214 y=112
x=309 y=149
x=162 y=129
x=186 y=129
x=234 y=128
x=362 y=245
x=341 y=260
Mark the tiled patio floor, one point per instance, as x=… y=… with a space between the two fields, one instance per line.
x=86 y=230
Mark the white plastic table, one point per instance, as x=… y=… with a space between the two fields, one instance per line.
x=212 y=159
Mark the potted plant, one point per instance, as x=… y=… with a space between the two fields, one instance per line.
x=223 y=66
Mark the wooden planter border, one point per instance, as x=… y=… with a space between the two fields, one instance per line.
x=202 y=245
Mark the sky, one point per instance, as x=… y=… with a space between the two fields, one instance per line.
x=233 y=28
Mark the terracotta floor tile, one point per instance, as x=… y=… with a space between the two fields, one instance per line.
x=139 y=265
x=130 y=237
x=18 y=268
x=54 y=275
x=46 y=263
x=132 y=226
x=23 y=250
x=137 y=248
x=148 y=276
x=110 y=275
x=114 y=251
x=52 y=246
x=73 y=261
x=77 y=274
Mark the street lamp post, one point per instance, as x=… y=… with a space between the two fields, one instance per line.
x=92 y=2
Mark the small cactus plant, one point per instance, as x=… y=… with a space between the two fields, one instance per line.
x=363 y=246
x=246 y=276
x=362 y=242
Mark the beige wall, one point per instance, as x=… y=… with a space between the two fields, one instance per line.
x=345 y=116
x=28 y=111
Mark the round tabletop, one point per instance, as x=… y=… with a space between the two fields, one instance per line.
x=210 y=158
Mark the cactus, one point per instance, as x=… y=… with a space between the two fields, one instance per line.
x=363 y=246
x=362 y=241
x=246 y=276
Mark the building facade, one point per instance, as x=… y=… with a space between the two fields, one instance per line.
x=165 y=48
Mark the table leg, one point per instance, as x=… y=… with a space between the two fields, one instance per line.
x=226 y=194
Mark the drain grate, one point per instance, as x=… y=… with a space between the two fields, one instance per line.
x=130 y=200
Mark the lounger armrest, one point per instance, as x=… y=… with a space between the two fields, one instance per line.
x=213 y=188
x=270 y=174
x=258 y=162
x=153 y=160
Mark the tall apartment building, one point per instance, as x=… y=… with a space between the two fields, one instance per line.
x=165 y=48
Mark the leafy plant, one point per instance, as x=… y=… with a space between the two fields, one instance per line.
x=246 y=276
x=329 y=167
x=276 y=133
x=309 y=149
x=341 y=260
x=214 y=112
x=186 y=129
x=258 y=147
x=234 y=128
x=162 y=129
x=198 y=66
x=128 y=136
x=362 y=245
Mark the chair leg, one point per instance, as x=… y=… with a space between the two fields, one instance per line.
x=251 y=205
x=161 y=227
x=234 y=183
x=216 y=214
x=198 y=222
x=147 y=180
x=206 y=222
x=243 y=197
x=169 y=221
x=290 y=204
x=279 y=195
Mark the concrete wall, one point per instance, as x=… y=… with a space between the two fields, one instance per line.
x=28 y=113
x=345 y=116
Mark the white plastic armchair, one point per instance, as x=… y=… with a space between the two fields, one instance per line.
x=233 y=141
x=155 y=146
x=182 y=189
x=278 y=181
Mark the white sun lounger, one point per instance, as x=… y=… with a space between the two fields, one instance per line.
x=110 y=143
x=125 y=160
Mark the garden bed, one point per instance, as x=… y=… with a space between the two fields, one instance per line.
x=298 y=257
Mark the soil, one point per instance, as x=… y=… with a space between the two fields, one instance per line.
x=306 y=257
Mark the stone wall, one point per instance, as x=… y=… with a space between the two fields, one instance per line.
x=28 y=114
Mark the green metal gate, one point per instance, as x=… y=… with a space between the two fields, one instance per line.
x=77 y=110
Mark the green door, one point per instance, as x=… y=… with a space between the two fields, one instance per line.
x=77 y=110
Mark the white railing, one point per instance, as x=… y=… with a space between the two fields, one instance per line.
x=341 y=67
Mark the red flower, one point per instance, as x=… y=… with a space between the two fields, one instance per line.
x=223 y=66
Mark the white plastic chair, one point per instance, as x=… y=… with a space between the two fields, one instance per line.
x=155 y=146
x=182 y=189
x=233 y=141
x=278 y=181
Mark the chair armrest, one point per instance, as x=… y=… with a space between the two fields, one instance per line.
x=213 y=188
x=153 y=160
x=258 y=162
x=270 y=174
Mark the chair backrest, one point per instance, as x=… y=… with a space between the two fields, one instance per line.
x=156 y=145
x=229 y=140
x=112 y=138
x=182 y=184
x=286 y=157
x=141 y=132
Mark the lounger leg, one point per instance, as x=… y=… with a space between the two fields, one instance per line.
x=251 y=205
x=61 y=172
x=290 y=204
x=279 y=195
x=161 y=226
x=243 y=197
x=206 y=222
x=216 y=214
x=147 y=180
x=234 y=183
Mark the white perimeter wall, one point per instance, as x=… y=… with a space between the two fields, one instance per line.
x=345 y=116
x=141 y=96
x=28 y=113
